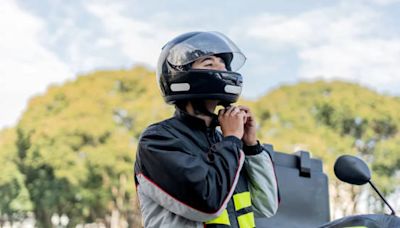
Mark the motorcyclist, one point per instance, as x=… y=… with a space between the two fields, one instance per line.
x=187 y=172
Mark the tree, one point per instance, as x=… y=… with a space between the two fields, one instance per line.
x=77 y=145
x=14 y=197
x=330 y=119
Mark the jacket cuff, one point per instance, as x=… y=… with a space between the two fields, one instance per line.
x=234 y=140
x=252 y=150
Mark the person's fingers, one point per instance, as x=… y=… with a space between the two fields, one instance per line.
x=249 y=115
x=245 y=108
x=229 y=110
x=247 y=111
x=221 y=112
x=235 y=111
x=241 y=114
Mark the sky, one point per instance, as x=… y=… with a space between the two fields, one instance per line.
x=49 y=42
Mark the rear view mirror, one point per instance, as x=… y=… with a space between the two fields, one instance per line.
x=352 y=170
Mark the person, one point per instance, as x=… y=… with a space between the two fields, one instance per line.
x=188 y=172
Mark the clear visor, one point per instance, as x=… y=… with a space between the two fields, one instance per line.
x=205 y=44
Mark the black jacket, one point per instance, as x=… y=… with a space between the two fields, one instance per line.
x=186 y=174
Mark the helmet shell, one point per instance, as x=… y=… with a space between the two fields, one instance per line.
x=178 y=81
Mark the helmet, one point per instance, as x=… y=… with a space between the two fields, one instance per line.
x=179 y=82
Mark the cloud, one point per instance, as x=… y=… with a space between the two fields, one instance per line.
x=383 y=2
x=345 y=41
x=77 y=38
x=26 y=67
x=315 y=27
x=140 y=40
x=372 y=62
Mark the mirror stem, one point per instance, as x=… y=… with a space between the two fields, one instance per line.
x=380 y=195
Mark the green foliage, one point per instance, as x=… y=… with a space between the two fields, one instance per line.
x=77 y=143
x=14 y=197
x=330 y=119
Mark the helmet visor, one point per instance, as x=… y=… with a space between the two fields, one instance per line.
x=205 y=44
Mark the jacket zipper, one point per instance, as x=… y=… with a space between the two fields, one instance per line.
x=208 y=136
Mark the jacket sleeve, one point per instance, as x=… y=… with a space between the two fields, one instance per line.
x=262 y=181
x=185 y=180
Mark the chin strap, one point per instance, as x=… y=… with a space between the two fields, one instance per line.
x=224 y=103
x=199 y=107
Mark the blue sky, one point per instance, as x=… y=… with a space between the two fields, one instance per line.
x=51 y=41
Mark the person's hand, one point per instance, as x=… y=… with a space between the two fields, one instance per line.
x=232 y=120
x=249 y=135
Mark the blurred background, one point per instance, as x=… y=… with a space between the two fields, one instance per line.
x=77 y=87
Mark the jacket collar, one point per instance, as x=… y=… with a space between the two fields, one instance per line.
x=194 y=121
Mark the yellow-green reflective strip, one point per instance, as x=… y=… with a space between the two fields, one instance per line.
x=242 y=200
x=223 y=218
x=246 y=220
x=355 y=227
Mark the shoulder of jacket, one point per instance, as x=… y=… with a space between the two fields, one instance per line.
x=159 y=127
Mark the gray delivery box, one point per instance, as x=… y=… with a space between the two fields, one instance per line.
x=303 y=188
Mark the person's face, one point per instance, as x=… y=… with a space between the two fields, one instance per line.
x=209 y=62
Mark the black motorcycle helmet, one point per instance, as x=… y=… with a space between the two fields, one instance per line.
x=179 y=82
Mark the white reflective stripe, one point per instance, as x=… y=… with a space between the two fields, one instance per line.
x=156 y=216
x=162 y=198
x=233 y=89
x=177 y=87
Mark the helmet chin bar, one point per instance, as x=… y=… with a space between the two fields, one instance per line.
x=203 y=84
